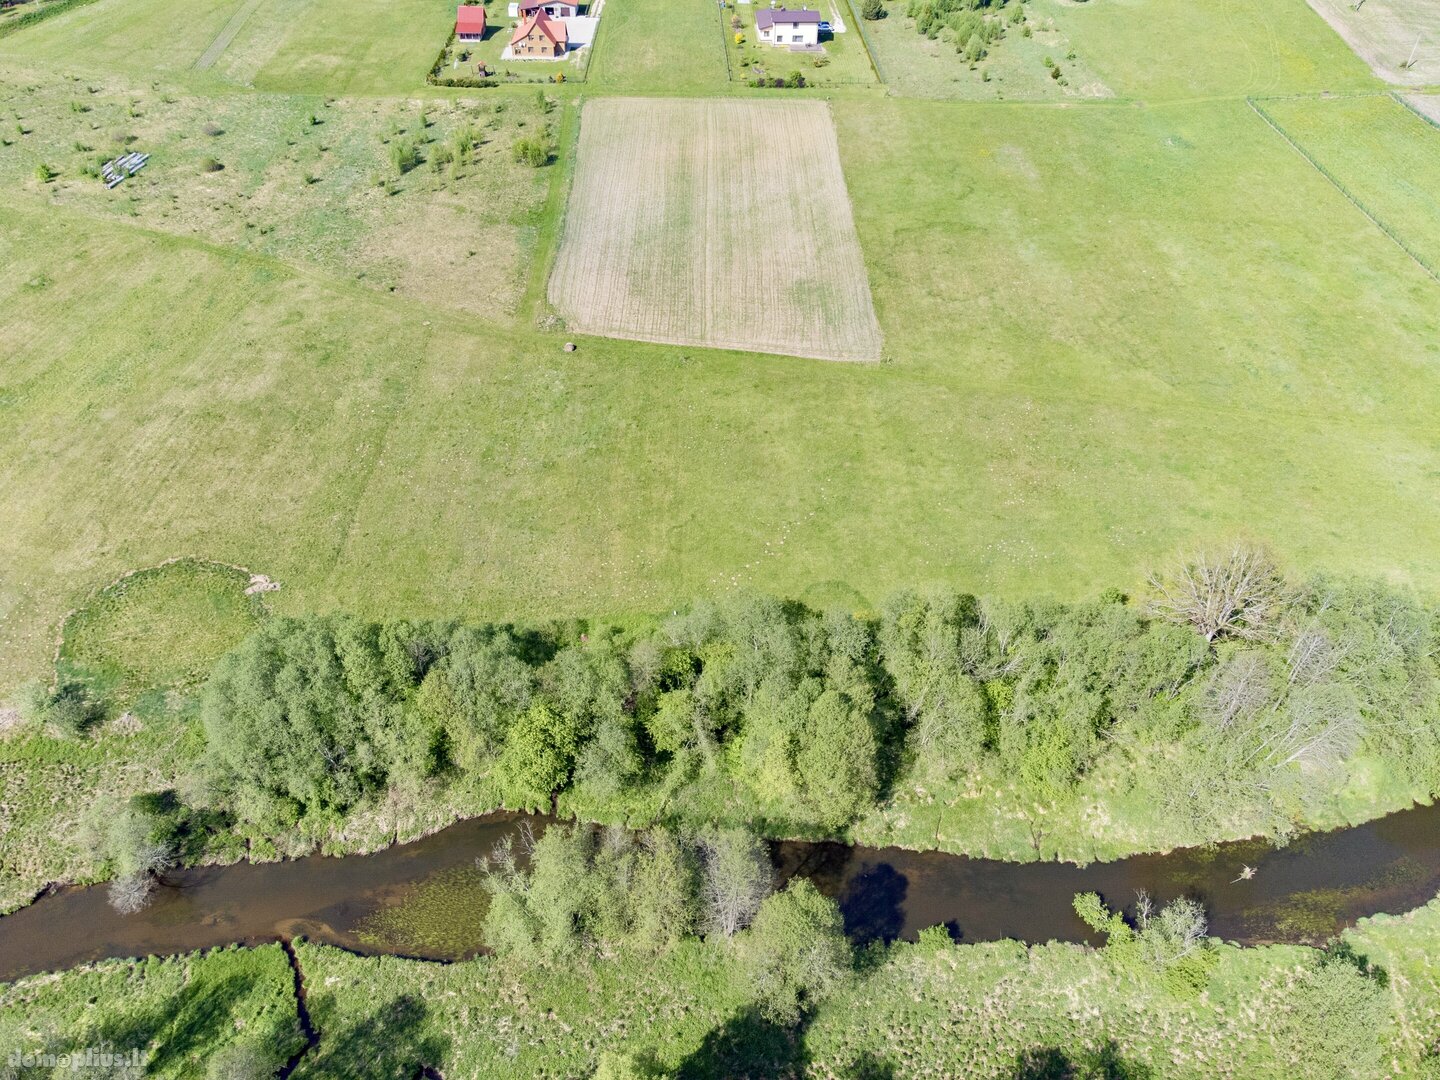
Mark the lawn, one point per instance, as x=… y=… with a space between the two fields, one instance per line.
x=843 y=63
x=1382 y=153
x=659 y=47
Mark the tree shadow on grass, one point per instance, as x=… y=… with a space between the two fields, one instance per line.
x=392 y=1041
x=1052 y=1063
x=747 y=1045
x=186 y=1028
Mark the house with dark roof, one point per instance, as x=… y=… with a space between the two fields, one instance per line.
x=539 y=37
x=556 y=9
x=782 y=26
x=470 y=23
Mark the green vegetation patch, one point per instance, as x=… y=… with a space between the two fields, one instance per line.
x=1381 y=154
x=224 y=1014
x=442 y=916
x=159 y=628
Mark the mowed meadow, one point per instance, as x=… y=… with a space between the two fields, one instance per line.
x=1111 y=329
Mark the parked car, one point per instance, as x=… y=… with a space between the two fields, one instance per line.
x=824 y=28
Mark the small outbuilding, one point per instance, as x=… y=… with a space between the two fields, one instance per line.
x=470 y=23
x=782 y=26
x=540 y=37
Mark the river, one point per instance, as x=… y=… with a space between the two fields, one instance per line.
x=1304 y=892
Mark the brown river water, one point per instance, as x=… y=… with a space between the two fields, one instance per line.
x=1304 y=892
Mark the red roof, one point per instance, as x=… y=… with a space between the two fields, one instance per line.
x=551 y=28
x=470 y=19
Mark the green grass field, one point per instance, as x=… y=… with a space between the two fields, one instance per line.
x=1174 y=49
x=1383 y=154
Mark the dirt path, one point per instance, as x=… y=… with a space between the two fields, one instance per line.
x=227 y=34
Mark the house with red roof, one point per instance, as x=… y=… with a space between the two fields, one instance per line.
x=781 y=26
x=539 y=37
x=470 y=23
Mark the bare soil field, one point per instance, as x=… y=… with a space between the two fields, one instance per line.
x=1399 y=39
x=1427 y=105
x=720 y=223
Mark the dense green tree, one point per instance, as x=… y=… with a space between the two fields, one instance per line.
x=836 y=761
x=795 y=953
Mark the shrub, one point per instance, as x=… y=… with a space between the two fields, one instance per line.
x=873 y=10
x=69 y=708
x=404 y=156
x=209 y=164
x=44 y=173
x=531 y=150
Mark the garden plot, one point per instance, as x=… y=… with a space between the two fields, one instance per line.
x=720 y=223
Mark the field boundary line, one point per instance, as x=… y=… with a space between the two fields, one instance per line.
x=859 y=25
x=1404 y=101
x=724 y=41
x=1419 y=260
x=536 y=298
x=228 y=33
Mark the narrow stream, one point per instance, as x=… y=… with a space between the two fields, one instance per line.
x=1305 y=892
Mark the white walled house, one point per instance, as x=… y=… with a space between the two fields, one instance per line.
x=782 y=26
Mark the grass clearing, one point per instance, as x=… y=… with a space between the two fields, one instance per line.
x=1050 y=424
x=158 y=629
x=1385 y=156
x=659 y=47
x=144 y=39
x=322 y=52
x=1399 y=39
x=714 y=223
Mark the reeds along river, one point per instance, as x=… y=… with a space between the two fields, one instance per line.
x=1304 y=892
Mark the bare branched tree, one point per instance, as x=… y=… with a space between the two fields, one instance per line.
x=738 y=878
x=1171 y=933
x=1234 y=593
x=1313 y=658
x=131 y=893
x=1238 y=690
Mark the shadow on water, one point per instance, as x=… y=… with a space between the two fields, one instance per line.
x=399 y=900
